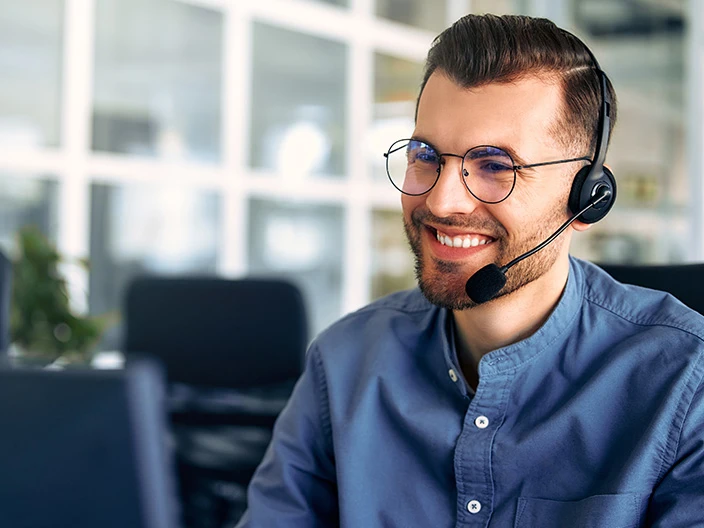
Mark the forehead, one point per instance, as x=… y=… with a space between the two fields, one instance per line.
x=521 y=115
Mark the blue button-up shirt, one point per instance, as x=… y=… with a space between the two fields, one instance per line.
x=596 y=420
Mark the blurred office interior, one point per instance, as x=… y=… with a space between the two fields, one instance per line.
x=245 y=137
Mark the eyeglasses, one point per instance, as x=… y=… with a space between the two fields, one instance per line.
x=488 y=173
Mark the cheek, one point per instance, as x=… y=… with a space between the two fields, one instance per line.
x=544 y=198
x=410 y=204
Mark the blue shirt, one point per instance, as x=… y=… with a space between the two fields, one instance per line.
x=596 y=420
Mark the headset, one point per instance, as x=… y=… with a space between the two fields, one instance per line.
x=595 y=177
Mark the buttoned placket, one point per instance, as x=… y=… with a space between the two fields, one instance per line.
x=473 y=452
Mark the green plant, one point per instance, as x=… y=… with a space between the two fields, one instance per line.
x=42 y=323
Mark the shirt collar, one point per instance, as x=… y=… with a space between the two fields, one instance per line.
x=516 y=354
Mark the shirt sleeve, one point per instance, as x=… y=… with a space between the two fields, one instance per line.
x=678 y=500
x=295 y=484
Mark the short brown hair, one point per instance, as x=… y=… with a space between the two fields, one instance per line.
x=482 y=49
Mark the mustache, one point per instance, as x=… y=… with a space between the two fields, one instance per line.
x=484 y=225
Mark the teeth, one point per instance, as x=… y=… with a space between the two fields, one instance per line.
x=459 y=241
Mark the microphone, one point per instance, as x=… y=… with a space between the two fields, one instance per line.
x=486 y=283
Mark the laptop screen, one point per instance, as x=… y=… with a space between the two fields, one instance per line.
x=85 y=449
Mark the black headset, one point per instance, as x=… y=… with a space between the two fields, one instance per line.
x=594 y=178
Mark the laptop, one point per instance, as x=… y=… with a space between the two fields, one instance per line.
x=85 y=449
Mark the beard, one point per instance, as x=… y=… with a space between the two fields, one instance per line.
x=443 y=282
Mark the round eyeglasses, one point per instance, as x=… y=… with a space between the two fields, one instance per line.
x=488 y=173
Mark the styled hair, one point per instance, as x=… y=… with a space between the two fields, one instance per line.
x=481 y=49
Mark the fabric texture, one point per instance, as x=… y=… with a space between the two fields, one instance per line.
x=596 y=420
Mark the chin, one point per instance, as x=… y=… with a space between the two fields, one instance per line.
x=443 y=284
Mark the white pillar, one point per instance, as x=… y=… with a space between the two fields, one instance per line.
x=74 y=193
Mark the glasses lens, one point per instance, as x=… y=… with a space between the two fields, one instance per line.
x=412 y=166
x=488 y=173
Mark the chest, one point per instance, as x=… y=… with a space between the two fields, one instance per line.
x=503 y=458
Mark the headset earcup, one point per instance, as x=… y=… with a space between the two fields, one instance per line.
x=583 y=187
x=576 y=191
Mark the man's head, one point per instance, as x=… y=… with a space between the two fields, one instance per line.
x=482 y=49
x=527 y=87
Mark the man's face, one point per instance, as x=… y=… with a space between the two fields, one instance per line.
x=517 y=117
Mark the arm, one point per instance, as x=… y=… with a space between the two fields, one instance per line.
x=295 y=485
x=678 y=500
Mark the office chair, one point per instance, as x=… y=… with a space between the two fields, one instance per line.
x=5 y=293
x=684 y=281
x=232 y=350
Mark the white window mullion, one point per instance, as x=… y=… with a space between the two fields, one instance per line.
x=356 y=272
x=236 y=104
x=74 y=195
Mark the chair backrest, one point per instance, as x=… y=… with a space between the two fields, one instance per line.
x=217 y=332
x=5 y=292
x=684 y=281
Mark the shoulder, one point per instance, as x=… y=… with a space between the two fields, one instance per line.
x=397 y=323
x=406 y=308
x=641 y=307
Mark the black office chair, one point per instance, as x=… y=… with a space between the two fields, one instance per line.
x=5 y=292
x=233 y=350
x=684 y=281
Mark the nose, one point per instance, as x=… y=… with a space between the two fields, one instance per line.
x=449 y=196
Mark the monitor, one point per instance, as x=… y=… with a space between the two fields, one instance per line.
x=83 y=448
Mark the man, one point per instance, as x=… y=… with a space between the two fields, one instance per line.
x=566 y=399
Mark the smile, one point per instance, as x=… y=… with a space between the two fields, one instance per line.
x=462 y=241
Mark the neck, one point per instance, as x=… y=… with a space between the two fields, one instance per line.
x=509 y=319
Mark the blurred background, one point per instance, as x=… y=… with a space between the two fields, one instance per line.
x=245 y=137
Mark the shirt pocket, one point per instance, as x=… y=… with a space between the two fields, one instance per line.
x=597 y=511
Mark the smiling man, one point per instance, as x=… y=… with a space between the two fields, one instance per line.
x=540 y=393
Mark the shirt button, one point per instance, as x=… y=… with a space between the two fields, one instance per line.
x=474 y=506
x=452 y=374
x=481 y=422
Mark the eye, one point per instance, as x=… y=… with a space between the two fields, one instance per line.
x=427 y=156
x=495 y=166
x=420 y=152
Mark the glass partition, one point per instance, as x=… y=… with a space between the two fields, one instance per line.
x=302 y=242
x=26 y=201
x=299 y=85
x=158 y=77
x=31 y=34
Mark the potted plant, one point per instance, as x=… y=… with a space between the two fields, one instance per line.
x=43 y=327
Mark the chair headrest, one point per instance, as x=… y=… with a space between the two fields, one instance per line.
x=219 y=332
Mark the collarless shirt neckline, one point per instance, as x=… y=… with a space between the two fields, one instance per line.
x=513 y=356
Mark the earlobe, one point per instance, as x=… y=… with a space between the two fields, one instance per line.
x=578 y=225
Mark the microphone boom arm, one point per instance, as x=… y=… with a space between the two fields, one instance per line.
x=603 y=194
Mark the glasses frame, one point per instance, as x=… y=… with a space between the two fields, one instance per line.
x=464 y=172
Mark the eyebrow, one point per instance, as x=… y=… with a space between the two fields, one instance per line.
x=517 y=160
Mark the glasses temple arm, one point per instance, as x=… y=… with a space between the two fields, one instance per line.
x=519 y=167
